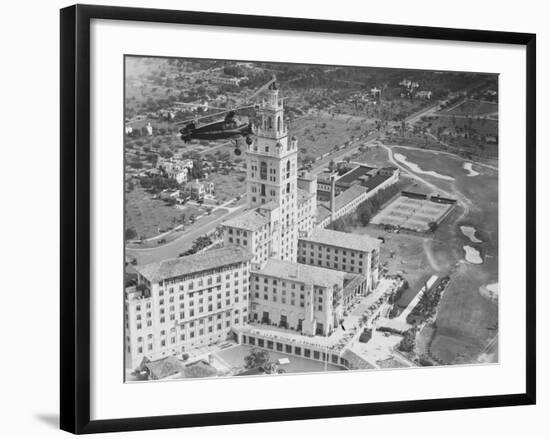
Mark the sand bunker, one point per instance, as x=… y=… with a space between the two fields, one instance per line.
x=472 y=255
x=490 y=291
x=414 y=167
x=470 y=232
x=468 y=167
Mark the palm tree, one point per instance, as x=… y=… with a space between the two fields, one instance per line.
x=256 y=358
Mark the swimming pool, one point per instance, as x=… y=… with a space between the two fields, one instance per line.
x=234 y=357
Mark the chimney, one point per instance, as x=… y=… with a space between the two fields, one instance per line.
x=332 y=191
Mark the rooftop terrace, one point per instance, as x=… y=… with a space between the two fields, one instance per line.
x=308 y=274
x=196 y=263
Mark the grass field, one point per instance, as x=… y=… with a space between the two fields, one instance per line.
x=464 y=315
x=150 y=217
x=466 y=321
x=227 y=187
x=473 y=108
x=320 y=134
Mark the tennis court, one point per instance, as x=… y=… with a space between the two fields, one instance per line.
x=412 y=213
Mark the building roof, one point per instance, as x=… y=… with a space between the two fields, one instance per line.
x=375 y=181
x=346 y=197
x=354 y=175
x=350 y=241
x=200 y=369
x=164 y=367
x=352 y=281
x=194 y=184
x=196 y=263
x=341 y=200
x=308 y=274
x=270 y=205
x=323 y=212
x=251 y=220
x=304 y=195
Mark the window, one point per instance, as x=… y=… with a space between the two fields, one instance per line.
x=263 y=172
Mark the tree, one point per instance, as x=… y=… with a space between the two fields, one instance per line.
x=130 y=234
x=408 y=342
x=166 y=153
x=256 y=358
x=136 y=164
x=201 y=242
x=196 y=170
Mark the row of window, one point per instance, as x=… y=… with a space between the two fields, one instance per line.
x=292 y=301
x=296 y=350
x=335 y=265
x=191 y=335
x=327 y=249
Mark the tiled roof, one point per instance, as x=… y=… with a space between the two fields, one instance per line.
x=308 y=274
x=251 y=220
x=164 y=367
x=340 y=201
x=375 y=181
x=354 y=174
x=323 y=212
x=348 y=196
x=350 y=241
x=200 y=369
x=196 y=263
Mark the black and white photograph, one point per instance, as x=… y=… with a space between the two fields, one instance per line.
x=285 y=218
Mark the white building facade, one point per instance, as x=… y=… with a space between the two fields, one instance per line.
x=342 y=251
x=185 y=303
x=271 y=162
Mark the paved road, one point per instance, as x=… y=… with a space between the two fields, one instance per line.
x=181 y=244
x=184 y=242
x=413 y=118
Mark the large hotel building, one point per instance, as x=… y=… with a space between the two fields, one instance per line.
x=276 y=269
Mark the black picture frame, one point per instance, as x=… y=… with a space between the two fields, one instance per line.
x=75 y=216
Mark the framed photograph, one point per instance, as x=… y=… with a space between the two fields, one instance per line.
x=268 y=218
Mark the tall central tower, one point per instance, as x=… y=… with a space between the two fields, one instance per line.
x=271 y=184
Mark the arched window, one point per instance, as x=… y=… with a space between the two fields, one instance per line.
x=263 y=170
x=288 y=169
x=269 y=123
x=278 y=123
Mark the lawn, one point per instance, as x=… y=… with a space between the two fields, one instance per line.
x=473 y=108
x=466 y=321
x=227 y=187
x=149 y=217
x=318 y=135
